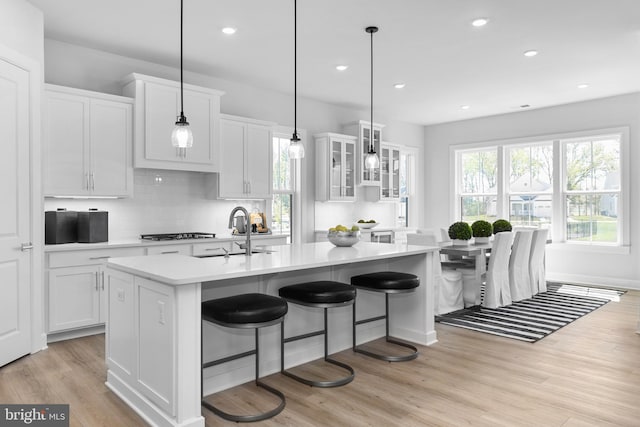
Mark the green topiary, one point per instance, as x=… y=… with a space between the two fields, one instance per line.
x=481 y=228
x=460 y=231
x=501 y=225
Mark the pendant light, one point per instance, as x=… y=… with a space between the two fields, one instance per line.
x=371 y=160
x=296 y=149
x=181 y=137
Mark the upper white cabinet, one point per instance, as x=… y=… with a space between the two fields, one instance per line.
x=157 y=104
x=389 y=172
x=87 y=143
x=335 y=167
x=245 y=158
x=363 y=130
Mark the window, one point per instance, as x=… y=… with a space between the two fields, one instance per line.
x=478 y=184
x=530 y=189
x=592 y=189
x=282 y=186
x=573 y=184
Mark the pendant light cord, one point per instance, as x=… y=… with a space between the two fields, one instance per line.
x=181 y=76
x=295 y=70
x=371 y=142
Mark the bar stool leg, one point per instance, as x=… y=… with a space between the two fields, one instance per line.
x=247 y=418
x=389 y=339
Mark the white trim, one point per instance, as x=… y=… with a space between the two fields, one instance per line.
x=603 y=281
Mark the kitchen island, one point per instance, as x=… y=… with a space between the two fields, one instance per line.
x=153 y=350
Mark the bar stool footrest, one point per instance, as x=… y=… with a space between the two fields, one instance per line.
x=390 y=340
x=250 y=418
x=329 y=383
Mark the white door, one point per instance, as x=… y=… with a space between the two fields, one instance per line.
x=15 y=193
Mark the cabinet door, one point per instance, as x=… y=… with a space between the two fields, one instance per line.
x=258 y=161
x=349 y=174
x=201 y=111
x=337 y=169
x=160 y=114
x=74 y=297
x=111 y=132
x=66 y=155
x=232 y=181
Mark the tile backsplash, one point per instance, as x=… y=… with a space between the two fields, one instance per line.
x=164 y=201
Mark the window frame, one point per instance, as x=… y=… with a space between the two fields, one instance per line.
x=295 y=227
x=559 y=220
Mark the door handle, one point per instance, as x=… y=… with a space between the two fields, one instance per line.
x=100 y=257
x=169 y=252
x=26 y=246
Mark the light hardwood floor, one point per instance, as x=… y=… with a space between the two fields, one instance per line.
x=586 y=374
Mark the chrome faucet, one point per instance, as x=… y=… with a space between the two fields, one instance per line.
x=247 y=246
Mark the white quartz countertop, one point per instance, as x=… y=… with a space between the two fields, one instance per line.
x=134 y=241
x=173 y=269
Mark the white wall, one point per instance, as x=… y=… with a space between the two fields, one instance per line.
x=75 y=66
x=564 y=262
x=22 y=28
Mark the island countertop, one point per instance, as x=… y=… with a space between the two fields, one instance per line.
x=173 y=269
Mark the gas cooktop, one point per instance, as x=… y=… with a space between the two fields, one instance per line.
x=177 y=236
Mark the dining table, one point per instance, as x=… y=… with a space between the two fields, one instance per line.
x=474 y=252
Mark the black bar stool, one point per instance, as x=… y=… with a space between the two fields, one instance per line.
x=246 y=311
x=389 y=282
x=321 y=294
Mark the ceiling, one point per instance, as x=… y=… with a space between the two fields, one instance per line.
x=430 y=45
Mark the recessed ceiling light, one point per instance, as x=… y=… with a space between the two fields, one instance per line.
x=531 y=53
x=399 y=85
x=229 y=30
x=583 y=86
x=465 y=107
x=480 y=22
x=341 y=67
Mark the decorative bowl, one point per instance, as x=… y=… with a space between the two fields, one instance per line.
x=344 y=238
x=366 y=225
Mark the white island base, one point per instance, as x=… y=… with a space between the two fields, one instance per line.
x=153 y=351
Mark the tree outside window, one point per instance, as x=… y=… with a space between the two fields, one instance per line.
x=478 y=184
x=282 y=186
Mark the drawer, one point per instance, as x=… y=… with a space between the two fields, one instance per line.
x=89 y=256
x=214 y=248
x=169 y=249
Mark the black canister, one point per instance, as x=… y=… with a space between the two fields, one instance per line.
x=60 y=226
x=93 y=226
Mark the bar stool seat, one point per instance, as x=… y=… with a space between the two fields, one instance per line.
x=387 y=282
x=246 y=311
x=321 y=294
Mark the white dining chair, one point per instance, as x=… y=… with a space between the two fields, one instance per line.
x=519 y=279
x=536 y=261
x=447 y=283
x=497 y=292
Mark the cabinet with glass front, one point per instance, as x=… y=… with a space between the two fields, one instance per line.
x=335 y=167
x=389 y=172
x=362 y=128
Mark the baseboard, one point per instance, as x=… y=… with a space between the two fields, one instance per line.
x=75 y=333
x=145 y=408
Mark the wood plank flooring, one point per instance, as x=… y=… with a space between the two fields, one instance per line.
x=586 y=374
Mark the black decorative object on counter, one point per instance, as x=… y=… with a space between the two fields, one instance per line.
x=93 y=226
x=60 y=226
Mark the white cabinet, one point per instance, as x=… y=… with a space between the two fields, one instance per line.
x=75 y=287
x=87 y=143
x=389 y=172
x=335 y=167
x=363 y=130
x=245 y=158
x=157 y=104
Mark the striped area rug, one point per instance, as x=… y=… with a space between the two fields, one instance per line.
x=534 y=318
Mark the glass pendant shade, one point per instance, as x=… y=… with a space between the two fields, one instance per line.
x=181 y=137
x=296 y=149
x=371 y=161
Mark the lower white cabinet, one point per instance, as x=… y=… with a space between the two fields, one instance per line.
x=75 y=295
x=75 y=287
